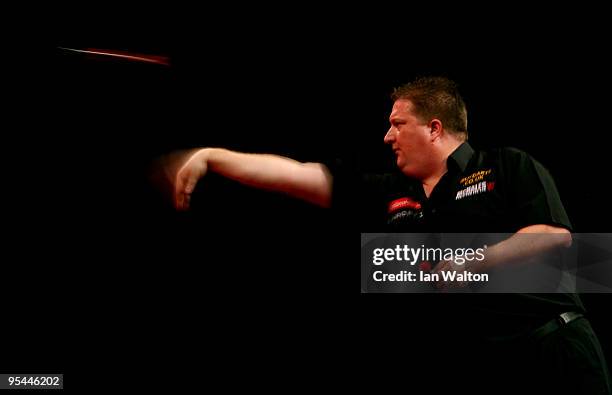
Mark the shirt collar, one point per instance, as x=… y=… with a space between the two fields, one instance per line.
x=461 y=156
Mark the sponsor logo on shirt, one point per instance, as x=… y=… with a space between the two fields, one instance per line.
x=475 y=189
x=404 y=210
x=474 y=177
x=403 y=203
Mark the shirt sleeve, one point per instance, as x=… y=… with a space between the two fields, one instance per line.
x=357 y=196
x=343 y=181
x=533 y=197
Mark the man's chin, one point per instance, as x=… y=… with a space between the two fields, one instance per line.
x=401 y=165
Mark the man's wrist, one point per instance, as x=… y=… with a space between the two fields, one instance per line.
x=207 y=155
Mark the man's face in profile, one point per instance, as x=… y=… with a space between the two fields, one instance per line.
x=410 y=139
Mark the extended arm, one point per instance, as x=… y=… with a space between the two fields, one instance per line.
x=311 y=182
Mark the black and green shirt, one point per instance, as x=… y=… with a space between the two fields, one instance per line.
x=496 y=191
x=502 y=190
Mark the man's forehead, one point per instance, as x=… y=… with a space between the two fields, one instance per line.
x=401 y=107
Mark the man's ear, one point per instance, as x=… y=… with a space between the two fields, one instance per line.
x=435 y=127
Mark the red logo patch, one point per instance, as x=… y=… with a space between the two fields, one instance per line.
x=404 y=202
x=490 y=185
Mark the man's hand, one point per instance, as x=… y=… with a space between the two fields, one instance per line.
x=187 y=178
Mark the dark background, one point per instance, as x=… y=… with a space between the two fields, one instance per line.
x=245 y=270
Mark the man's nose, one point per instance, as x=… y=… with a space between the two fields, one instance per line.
x=390 y=136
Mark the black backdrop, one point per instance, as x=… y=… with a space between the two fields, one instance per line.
x=145 y=283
